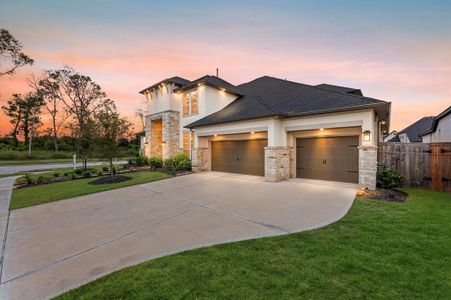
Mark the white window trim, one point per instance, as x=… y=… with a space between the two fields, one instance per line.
x=189 y=95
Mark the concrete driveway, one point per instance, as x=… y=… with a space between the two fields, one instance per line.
x=54 y=247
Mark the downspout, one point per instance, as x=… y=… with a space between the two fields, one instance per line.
x=191 y=144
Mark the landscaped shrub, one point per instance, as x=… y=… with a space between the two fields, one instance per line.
x=178 y=162
x=74 y=176
x=56 y=174
x=28 y=179
x=390 y=178
x=105 y=169
x=66 y=174
x=99 y=172
x=86 y=174
x=155 y=162
x=78 y=171
x=40 y=179
x=140 y=161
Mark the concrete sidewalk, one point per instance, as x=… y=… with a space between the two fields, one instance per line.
x=57 y=246
x=6 y=185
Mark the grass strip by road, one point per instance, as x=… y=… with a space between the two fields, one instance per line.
x=73 y=188
x=26 y=162
x=380 y=250
x=49 y=173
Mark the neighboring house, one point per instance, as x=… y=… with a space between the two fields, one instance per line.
x=413 y=132
x=440 y=129
x=270 y=127
x=392 y=136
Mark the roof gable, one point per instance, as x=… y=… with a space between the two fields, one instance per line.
x=214 y=82
x=179 y=81
x=436 y=119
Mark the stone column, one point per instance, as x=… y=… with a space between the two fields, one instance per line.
x=171 y=133
x=367 y=166
x=277 y=163
x=148 y=138
x=199 y=160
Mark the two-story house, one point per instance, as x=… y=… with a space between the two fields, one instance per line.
x=269 y=127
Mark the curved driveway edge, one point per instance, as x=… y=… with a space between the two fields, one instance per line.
x=57 y=246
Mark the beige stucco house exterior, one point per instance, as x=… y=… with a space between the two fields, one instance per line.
x=270 y=127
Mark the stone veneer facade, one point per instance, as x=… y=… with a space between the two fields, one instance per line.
x=367 y=166
x=170 y=134
x=277 y=163
x=199 y=159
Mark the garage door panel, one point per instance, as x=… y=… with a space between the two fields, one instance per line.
x=243 y=157
x=328 y=158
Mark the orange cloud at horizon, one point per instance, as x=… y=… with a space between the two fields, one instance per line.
x=415 y=89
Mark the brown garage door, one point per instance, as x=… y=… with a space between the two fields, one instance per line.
x=328 y=158
x=243 y=157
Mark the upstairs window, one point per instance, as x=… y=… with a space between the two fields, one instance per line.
x=186 y=105
x=194 y=109
x=190 y=103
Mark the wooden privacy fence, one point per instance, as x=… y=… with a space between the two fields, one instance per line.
x=425 y=165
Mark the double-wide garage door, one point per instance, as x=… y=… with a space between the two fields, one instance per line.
x=328 y=158
x=243 y=157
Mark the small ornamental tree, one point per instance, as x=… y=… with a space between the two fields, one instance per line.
x=110 y=128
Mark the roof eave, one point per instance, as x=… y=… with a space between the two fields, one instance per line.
x=191 y=86
x=367 y=106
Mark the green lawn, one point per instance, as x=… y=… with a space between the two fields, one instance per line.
x=57 y=191
x=380 y=250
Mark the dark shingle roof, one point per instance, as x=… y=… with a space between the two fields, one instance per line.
x=176 y=80
x=415 y=130
x=436 y=119
x=269 y=96
x=340 y=89
x=212 y=81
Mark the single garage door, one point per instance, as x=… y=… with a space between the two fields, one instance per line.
x=328 y=158
x=243 y=157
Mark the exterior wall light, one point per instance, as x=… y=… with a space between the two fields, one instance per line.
x=367 y=136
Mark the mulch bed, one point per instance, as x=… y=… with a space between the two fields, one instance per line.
x=107 y=179
x=384 y=194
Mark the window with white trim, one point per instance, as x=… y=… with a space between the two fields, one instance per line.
x=190 y=103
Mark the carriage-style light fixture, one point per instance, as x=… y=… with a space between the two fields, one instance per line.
x=367 y=136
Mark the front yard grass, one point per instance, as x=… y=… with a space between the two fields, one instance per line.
x=72 y=188
x=380 y=250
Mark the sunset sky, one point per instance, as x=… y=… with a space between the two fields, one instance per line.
x=398 y=51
